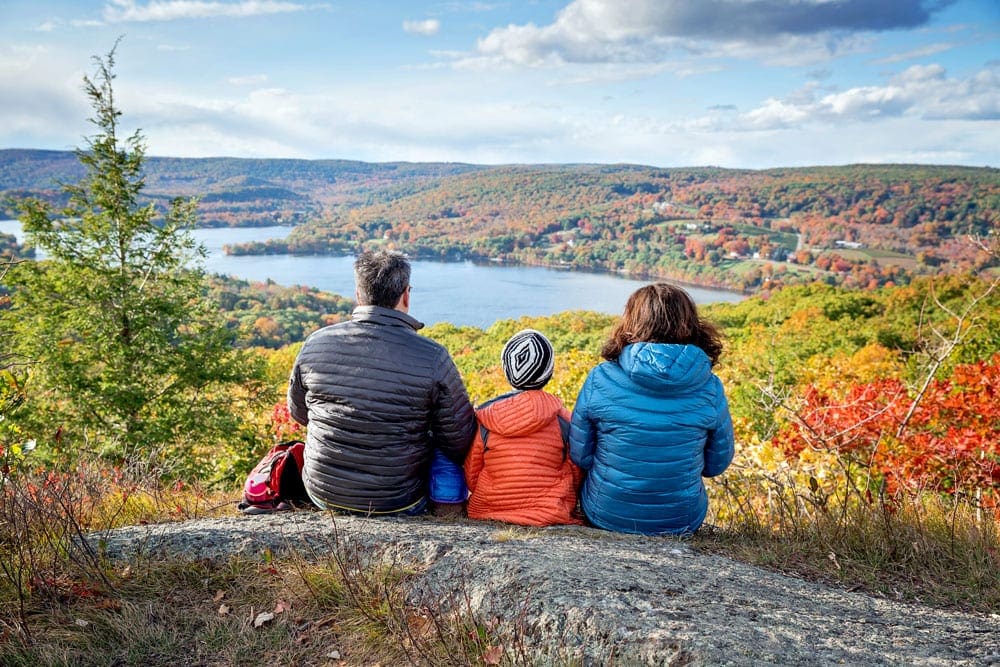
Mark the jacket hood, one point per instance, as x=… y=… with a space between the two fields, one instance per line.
x=665 y=366
x=519 y=413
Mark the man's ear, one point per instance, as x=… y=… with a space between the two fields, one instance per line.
x=404 y=301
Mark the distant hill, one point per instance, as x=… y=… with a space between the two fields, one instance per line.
x=857 y=225
x=233 y=191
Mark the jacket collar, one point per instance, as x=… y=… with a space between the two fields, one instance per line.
x=388 y=316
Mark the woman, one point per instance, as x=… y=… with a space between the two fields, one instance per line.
x=652 y=420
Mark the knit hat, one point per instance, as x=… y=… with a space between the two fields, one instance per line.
x=527 y=359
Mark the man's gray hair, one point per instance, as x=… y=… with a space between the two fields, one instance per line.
x=381 y=277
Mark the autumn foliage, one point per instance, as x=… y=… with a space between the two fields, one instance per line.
x=283 y=426
x=947 y=439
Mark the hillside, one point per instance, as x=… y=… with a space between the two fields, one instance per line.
x=233 y=191
x=862 y=226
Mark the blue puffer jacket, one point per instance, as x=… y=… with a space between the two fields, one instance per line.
x=647 y=428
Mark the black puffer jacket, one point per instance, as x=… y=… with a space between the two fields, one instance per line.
x=377 y=398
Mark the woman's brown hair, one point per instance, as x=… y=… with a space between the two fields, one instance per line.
x=662 y=313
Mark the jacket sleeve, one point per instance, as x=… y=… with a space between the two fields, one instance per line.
x=453 y=419
x=474 y=463
x=297 y=396
x=582 y=434
x=720 y=447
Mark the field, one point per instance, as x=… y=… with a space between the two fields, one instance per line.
x=885 y=257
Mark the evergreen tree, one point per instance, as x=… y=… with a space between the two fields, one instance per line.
x=129 y=358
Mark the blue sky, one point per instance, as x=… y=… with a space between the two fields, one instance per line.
x=733 y=83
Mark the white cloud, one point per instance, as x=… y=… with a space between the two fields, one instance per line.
x=922 y=52
x=426 y=27
x=249 y=80
x=867 y=101
x=367 y=122
x=122 y=11
x=48 y=26
x=22 y=60
x=628 y=31
x=614 y=73
x=774 y=114
x=975 y=98
x=40 y=98
x=921 y=91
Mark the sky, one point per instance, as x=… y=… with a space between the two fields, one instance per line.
x=670 y=83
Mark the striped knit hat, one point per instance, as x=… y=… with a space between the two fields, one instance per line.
x=527 y=359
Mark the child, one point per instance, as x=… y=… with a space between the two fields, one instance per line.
x=518 y=469
x=652 y=420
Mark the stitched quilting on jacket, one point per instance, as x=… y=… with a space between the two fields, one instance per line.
x=522 y=474
x=646 y=429
x=377 y=398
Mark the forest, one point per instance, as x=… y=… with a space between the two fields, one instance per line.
x=270 y=315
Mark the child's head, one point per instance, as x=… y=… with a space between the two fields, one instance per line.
x=527 y=359
x=662 y=313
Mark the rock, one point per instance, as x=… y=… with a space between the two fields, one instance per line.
x=585 y=594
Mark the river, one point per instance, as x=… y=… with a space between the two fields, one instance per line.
x=463 y=293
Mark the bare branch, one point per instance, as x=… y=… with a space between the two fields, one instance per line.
x=948 y=344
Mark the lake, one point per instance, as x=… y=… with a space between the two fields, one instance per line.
x=463 y=293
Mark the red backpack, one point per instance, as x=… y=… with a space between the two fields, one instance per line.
x=276 y=482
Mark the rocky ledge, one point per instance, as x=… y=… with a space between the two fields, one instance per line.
x=585 y=594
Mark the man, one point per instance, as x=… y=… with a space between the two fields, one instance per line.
x=377 y=399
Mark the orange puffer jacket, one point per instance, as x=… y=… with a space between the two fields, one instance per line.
x=523 y=473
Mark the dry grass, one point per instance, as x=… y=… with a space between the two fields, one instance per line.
x=179 y=612
x=510 y=533
x=44 y=516
x=924 y=548
x=349 y=608
x=63 y=603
